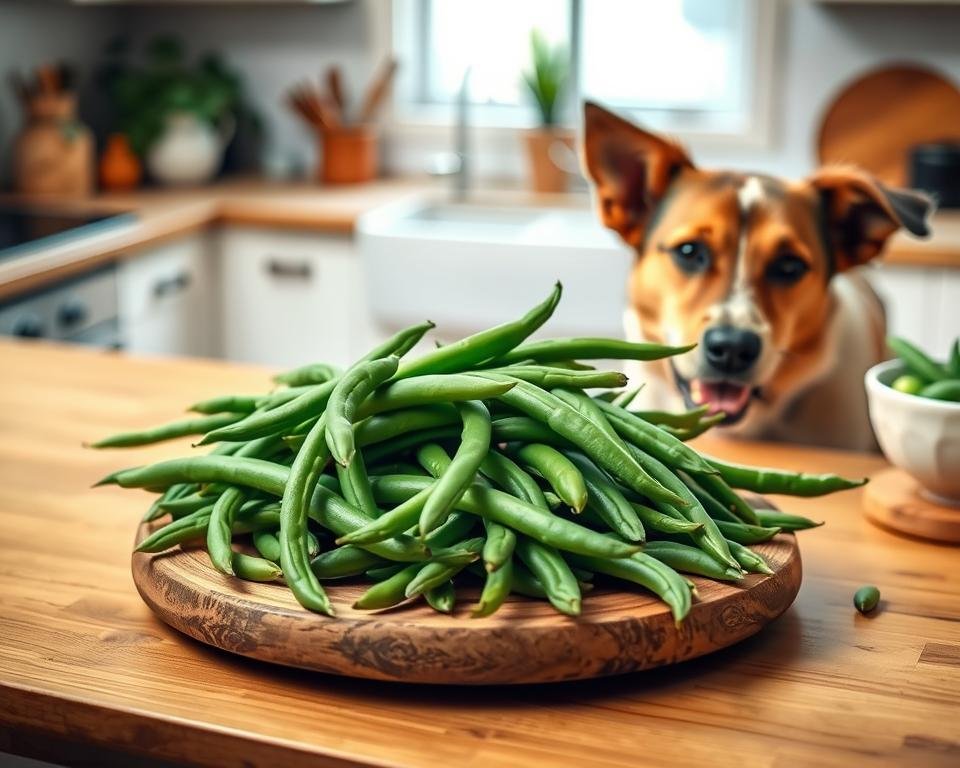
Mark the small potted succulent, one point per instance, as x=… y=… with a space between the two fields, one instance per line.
x=546 y=82
x=179 y=116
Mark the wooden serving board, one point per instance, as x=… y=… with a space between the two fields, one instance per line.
x=526 y=641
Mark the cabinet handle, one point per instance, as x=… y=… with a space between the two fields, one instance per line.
x=298 y=270
x=170 y=285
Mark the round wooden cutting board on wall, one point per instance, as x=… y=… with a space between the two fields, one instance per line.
x=875 y=121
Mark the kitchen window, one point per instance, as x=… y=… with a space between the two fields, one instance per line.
x=692 y=67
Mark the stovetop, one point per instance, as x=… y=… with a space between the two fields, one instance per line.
x=25 y=229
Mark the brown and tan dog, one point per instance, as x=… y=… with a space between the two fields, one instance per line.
x=757 y=272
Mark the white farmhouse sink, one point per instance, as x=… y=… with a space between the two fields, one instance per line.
x=467 y=267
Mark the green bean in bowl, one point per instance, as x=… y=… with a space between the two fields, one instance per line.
x=494 y=459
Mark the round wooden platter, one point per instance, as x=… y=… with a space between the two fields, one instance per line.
x=893 y=500
x=526 y=641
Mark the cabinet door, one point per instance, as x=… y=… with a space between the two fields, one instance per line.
x=289 y=298
x=168 y=299
x=922 y=304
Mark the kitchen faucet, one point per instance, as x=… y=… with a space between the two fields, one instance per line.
x=456 y=164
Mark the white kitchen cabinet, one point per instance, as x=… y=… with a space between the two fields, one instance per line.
x=923 y=303
x=290 y=298
x=168 y=299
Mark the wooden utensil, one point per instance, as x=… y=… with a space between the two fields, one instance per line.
x=526 y=641
x=377 y=91
x=336 y=88
x=878 y=118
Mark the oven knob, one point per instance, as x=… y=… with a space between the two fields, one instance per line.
x=28 y=327
x=72 y=313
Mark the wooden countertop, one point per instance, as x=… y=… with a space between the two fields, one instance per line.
x=162 y=214
x=86 y=670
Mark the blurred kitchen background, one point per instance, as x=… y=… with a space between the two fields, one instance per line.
x=279 y=181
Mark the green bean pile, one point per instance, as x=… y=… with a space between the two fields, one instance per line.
x=925 y=376
x=485 y=459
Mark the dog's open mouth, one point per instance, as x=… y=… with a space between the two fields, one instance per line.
x=731 y=398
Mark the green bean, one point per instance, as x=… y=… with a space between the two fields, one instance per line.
x=496 y=588
x=681 y=420
x=355 y=486
x=315 y=373
x=441 y=598
x=648 y=572
x=772 y=519
x=688 y=559
x=220 y=529
x=276 y=420
x=717 y=487
x=523 y=429
x=696 y=430
x=660 y=444
x=589 y=349
x=513 y=513
x=254 y=568
x=509 y=476
x=953 y=364
x=267 y=544
x=434 y=574
x=429 y=389
x=627 y=396
x=175 y=429
x=917 y=361
x=554 y=502
x=658 y=521
x=226 y=404
x=709 y=537
x=500 y=541
x=558 y=470
x=384 y=571
x=866 y=598
x=749 y=560
x=746 y=534
x=389 y=592
x=525 y=583
x=344 y=561
x=548 y=378
x=194 y=526
x=582 y=432
x=777 y=481
x=462 y=472
x=714 y=508
x=351 y=390
x=260 y=474
x=552 y=571
x=173 y=494
x=184 y=504
x=589 y=409
x=400 y=445
x=388 y=525
x=492 y=343
x=294 y=510
x=606 y=500
x=386 y=426
x=943 y=390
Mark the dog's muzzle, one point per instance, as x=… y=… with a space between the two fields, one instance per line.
x=728 y=356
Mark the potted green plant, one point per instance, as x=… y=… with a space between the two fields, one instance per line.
x=179 y=116
x=546 y=82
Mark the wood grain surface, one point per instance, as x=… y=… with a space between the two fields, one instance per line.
x=526 y=641
x=876 y=120
x=895 y=500
x=83 y=661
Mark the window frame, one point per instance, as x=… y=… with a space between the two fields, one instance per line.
x=400 y=30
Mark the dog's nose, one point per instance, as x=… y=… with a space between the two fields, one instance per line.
x=731 y=350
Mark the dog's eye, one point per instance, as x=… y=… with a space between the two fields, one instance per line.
x=786 y=269
x=692 y=257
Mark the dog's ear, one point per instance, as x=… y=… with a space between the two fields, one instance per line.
x=630 y=167
x=860 y=213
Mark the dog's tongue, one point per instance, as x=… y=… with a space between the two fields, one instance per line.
x=720 y=396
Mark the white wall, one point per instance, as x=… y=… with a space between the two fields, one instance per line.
x=33 y=32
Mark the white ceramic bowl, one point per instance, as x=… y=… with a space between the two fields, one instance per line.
x=919 y=435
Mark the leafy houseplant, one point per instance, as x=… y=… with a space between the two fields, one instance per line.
x=164 y=90
x=546 y=83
